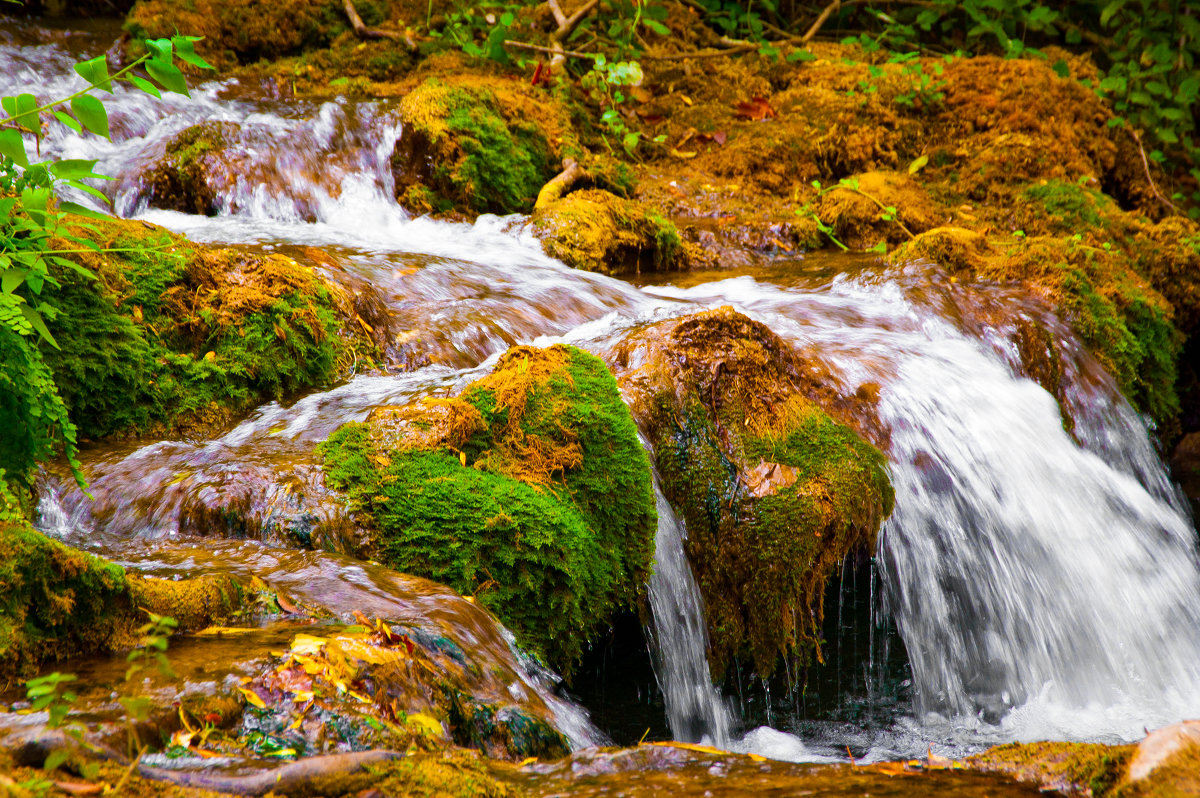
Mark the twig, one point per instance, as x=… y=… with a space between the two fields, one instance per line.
x=816 y=26
x=539 y=48
x=363 y=32
x=565 y=26
x=1146 y=166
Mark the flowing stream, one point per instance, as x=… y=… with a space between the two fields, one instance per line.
x=1045 y=583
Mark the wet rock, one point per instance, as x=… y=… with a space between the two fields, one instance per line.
x=476 y=145
x=529 y=491
x=1162 y=745
x=597 y=231
x=1072 y=768
x=774 y=491
x=196 y=169
x=1185 y=467
x=955 y=249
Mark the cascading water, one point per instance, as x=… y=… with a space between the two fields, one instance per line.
x=1045 y=583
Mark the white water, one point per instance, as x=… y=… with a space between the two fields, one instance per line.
x=1043 y=587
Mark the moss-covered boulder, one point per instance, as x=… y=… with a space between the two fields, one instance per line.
x=476 y=145
x=775 y=493
x=597 y=231
x=176 y=336
x=193 y=170
x=529 y=491
x=57 y=602
x=244 y=31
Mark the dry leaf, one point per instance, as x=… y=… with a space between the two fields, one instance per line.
x=756 y=110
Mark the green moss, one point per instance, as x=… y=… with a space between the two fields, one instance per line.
x=1067 y=767
x=531 y=491
x=1068 y=207
x=56 y=602
x=167 y=338
x=470 y=148
x=459 y=774
x=179 y=182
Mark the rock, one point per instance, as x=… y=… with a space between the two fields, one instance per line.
x=195 y=170
x=775 y=492
x=476 y=145
x=529 y=491
x=1160 y=746
x=955 y=249
x=597 y=231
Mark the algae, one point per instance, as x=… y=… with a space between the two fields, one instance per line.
x=529 y=491
x=56 y=601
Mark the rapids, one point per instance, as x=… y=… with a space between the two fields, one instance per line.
x=1044 y=583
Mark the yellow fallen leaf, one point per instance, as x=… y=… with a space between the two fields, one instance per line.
x=252 y=698
x=681 y=154
x=307 y=644
x=282 y=752
x=296 y=723
x=426 y=723
x=358 y=696
x=210 y=356
x=302 y=696
x=686 y=99
x=527 y=761
x=212 y=631
x=703 y=749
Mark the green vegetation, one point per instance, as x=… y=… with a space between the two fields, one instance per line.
x=530 y=491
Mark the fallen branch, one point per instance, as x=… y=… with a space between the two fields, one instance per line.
x=363 y=32
x=1146 y=166
x=826 y=13
x=541 y=49
x=295 y=778
x=566 y=24
x=558 y=185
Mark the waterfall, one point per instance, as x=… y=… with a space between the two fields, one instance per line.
x=679 y=637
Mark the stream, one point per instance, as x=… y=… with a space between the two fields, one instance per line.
x=1033 y=582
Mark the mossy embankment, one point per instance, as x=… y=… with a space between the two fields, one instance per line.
x=57 y=602
x=529 y=491
x=173 y=336
x=775 y=492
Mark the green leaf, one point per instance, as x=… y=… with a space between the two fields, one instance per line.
x=69 y=121
x=168 y=76
x=145 y=86
x=918 y=164
x=12 y=145
x=160 y=50
x=27 y=115
x=72 y=169
x=657 y=27
x=35 y=321
x=185 y=52
x=81 y=210
x=56 y=757
x=95 y=71
x=800 y=55
x=85 y=188
x=1061 y=69
x=1110 y=11
x=91 y=113
x=1166 y=135
x=11 y=281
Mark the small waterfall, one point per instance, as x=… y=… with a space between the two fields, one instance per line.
x=679 y=638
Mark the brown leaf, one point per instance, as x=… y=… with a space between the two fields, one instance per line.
x=768 y=478
x=756 y=110
x=75 y=788
x=717 y=135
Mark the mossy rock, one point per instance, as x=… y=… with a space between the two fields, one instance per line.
x=245 y=31
x=955 y=249
x=476 y=145
x=530 y=491
x=187 y=178
x=57 y=602
x=775 y=492
x=597 y=231
x=176 y=336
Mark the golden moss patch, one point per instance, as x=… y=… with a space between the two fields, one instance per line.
x=597 y=231
x=774 y=491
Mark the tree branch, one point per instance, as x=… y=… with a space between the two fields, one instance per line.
x=363 y=32
x=558 y=185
